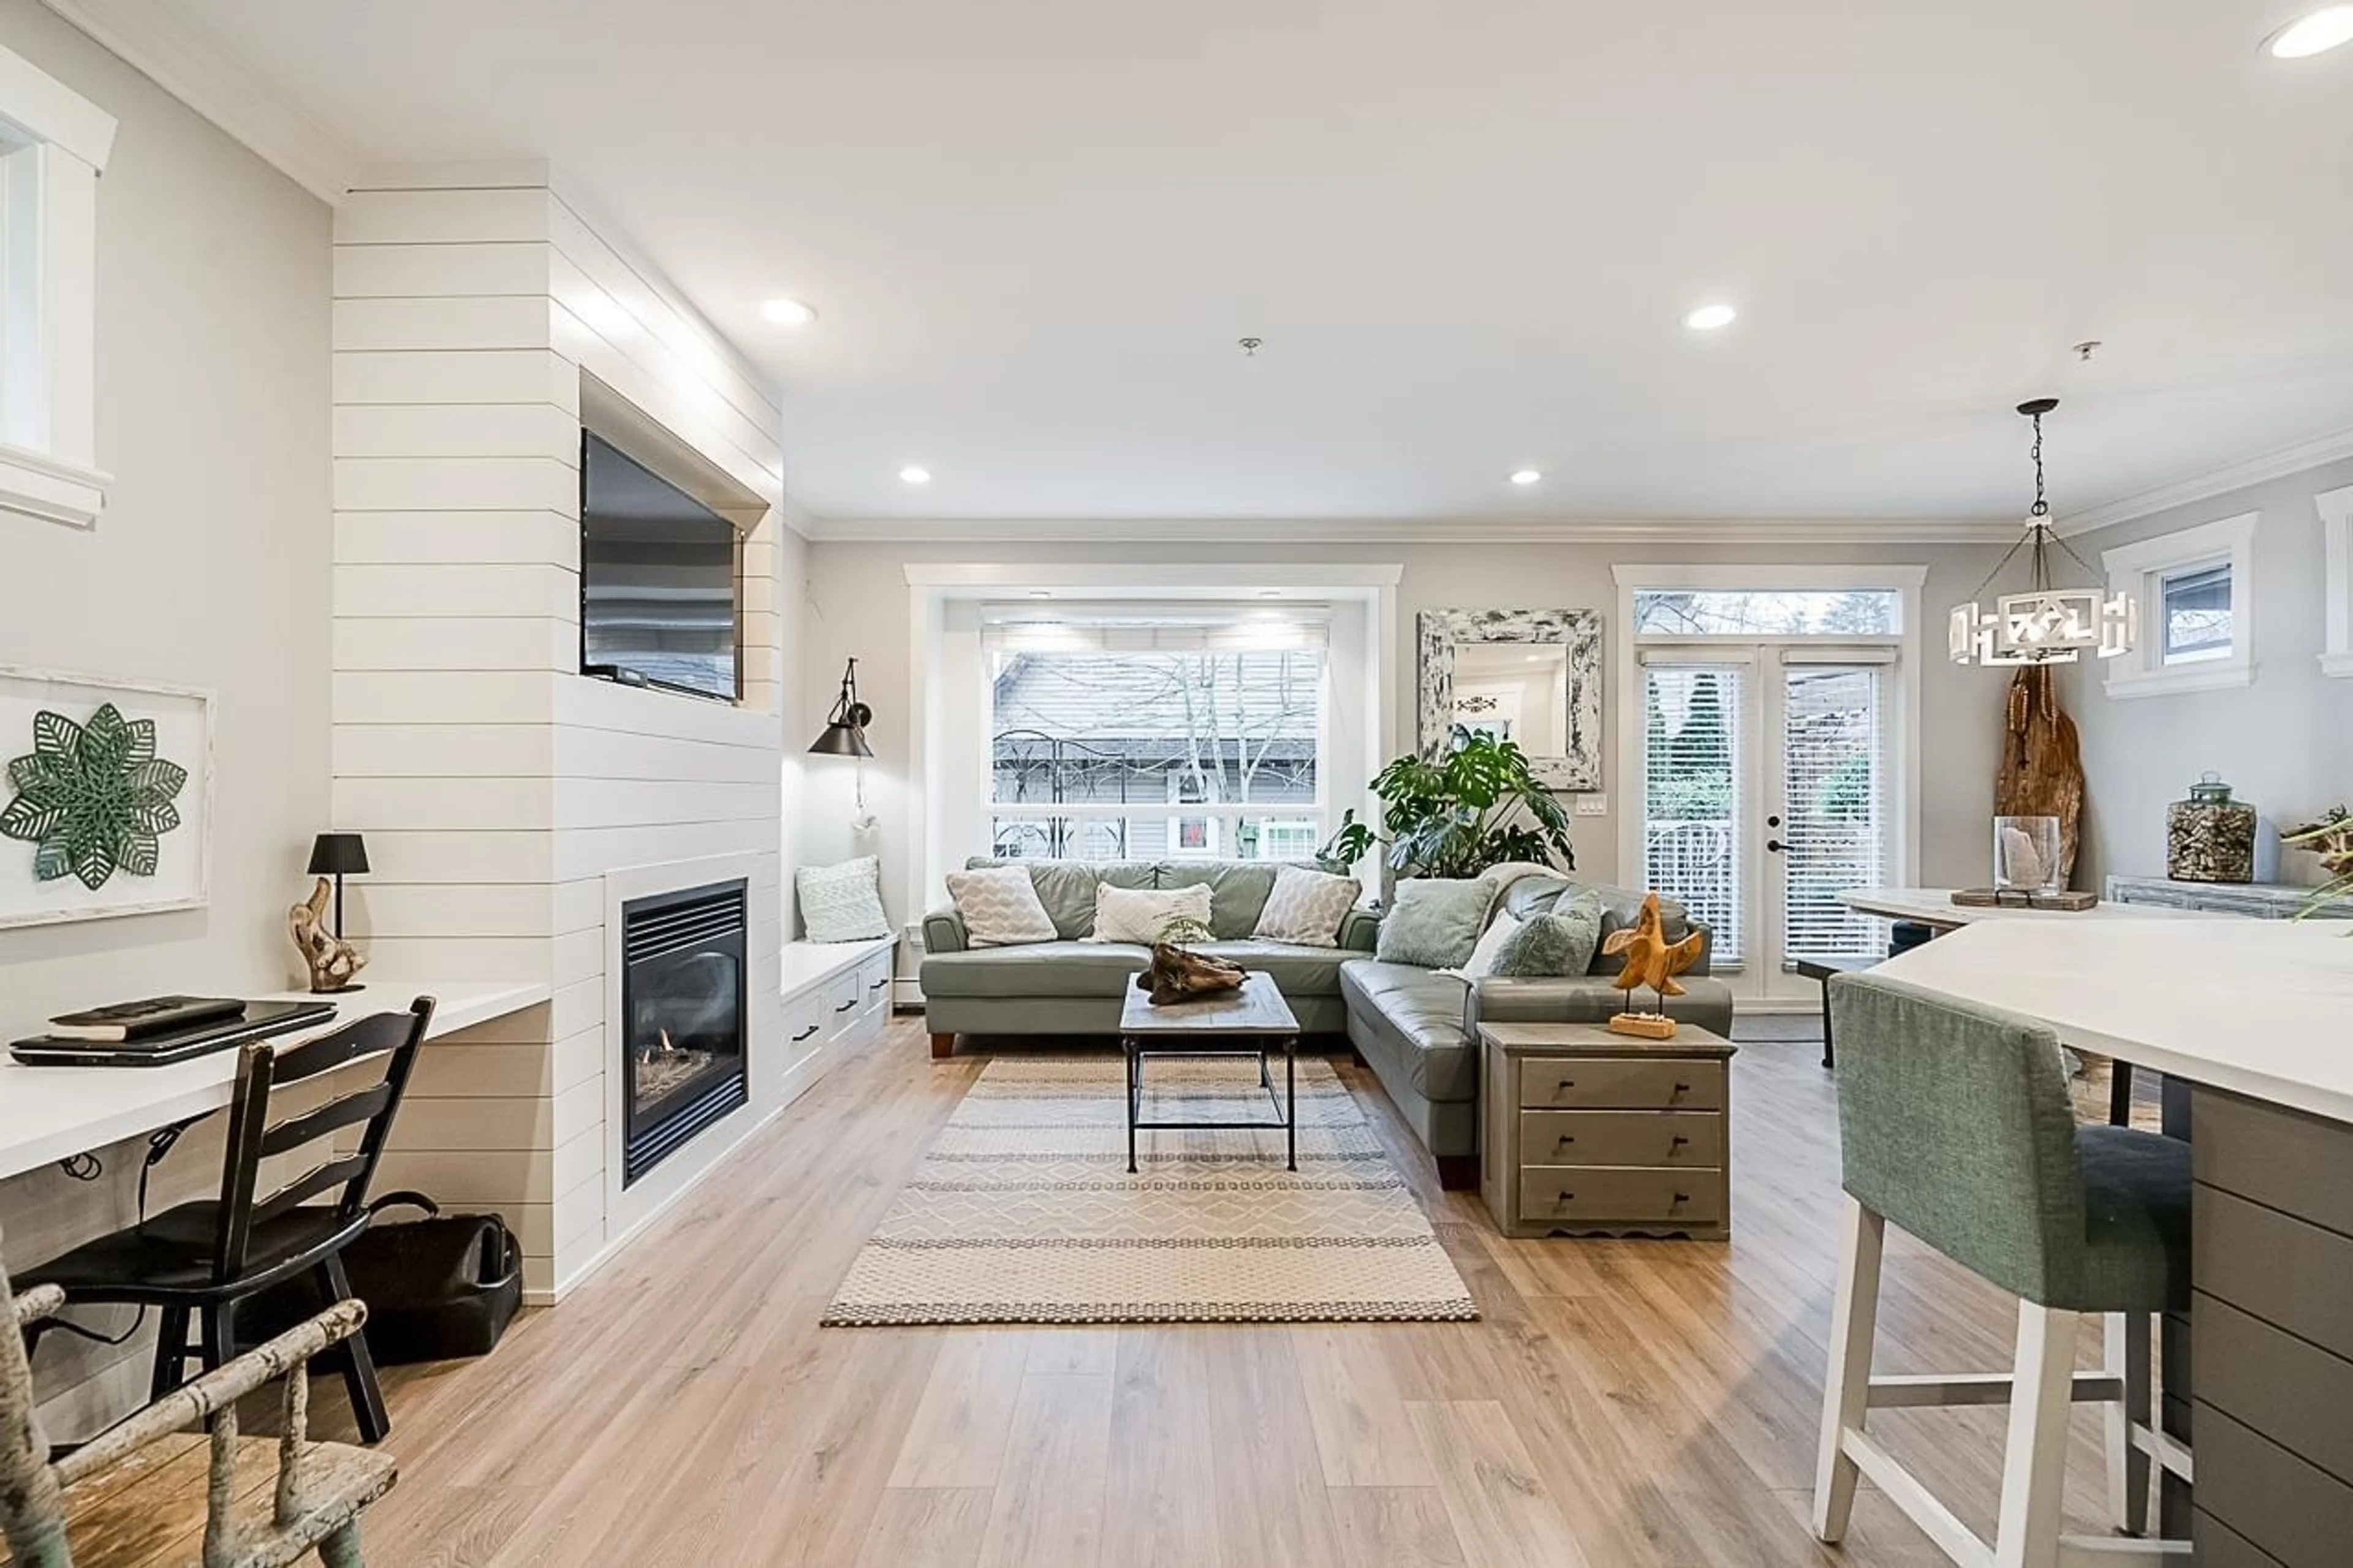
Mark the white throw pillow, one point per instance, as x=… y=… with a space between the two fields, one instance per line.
x=843 y=903
x=1307 y=907
x=1482 y=962
x=1000 y=907
x=1140 y=914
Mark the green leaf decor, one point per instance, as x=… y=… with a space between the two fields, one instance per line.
x=92 y=799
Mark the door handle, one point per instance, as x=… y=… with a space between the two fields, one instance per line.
x=1772 y=822
x=1775 y=844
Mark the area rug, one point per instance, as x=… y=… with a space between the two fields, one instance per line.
x=1023 y=1212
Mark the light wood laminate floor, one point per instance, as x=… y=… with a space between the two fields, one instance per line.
x=1621 y=1405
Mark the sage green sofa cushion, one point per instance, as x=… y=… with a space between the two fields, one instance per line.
x=1435 y=921
x=1066 y=888
x=1106 y=968
x=1238 y=891
x=1955 y=1123
x=1414 y=1017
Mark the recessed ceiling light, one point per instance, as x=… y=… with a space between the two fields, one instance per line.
x=1526 y=476
x=915 y=474
x=787 y=312
x=2318 y=33
x=1709 y=318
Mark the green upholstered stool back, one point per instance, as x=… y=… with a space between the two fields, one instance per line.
x=1955 y=1123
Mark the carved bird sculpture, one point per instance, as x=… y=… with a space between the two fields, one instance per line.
x=1651 y=959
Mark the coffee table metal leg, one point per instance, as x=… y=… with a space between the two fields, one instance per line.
x=1290 y=1098
x=1128 y=1048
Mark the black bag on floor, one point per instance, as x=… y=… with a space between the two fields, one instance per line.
x=436 y=1289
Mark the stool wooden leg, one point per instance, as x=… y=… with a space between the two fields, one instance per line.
x=2034 y=1457
x=1846 y=1391
x=2128 y=1340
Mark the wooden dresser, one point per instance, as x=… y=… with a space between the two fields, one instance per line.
x=1587 y=1133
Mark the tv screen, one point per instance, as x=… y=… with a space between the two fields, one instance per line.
x=657 y=579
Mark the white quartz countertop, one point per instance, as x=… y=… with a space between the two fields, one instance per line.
x=2264 y=1009
x=1935 y=906
x=47 y=1113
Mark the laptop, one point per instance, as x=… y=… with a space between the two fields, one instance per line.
x=258 y=1020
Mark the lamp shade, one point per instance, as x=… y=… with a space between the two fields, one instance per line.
x=338 y=855
x=845 y=728
x=842 y=741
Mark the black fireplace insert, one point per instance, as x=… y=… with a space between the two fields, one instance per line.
x=683 y=1011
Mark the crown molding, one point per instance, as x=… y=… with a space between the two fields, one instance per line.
x=186 y=59
x=1409 y=530
x=2261 y=468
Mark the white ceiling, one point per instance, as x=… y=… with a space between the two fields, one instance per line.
x=1465 y=231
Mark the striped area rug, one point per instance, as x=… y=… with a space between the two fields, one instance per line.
x=1023 y=1212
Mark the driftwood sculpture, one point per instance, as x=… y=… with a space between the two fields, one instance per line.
x=2041 y=770
x=1179 y=974
x=1652 y=960
x=331 y=960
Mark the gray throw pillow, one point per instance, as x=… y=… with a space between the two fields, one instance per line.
x=1553 y=946
x=1434 y=923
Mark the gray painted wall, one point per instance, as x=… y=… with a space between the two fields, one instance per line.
x=2284 y=743
x=858 y=604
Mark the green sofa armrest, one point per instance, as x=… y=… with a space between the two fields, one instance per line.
x=943 y=932
x=1360 y=931
x=1707 y=948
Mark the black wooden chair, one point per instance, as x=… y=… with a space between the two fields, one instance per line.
x=201 y=1259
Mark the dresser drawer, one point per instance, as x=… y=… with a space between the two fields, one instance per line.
x=874 y=981
x=843 y=997
x=804 y=1020
x=1680 y=1139
x=1609 y=1083
x=1569 y=1194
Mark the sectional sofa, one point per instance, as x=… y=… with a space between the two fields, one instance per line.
x=1417 y=1028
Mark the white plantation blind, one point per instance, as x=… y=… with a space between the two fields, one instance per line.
x=1691 y=794
x=1835 y=788
x=1176 y=628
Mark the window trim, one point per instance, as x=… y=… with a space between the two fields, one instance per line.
x=54 y=144
x=2140 y=569
x=2336 y=509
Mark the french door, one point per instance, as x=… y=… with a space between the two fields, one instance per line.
x=1766 y=792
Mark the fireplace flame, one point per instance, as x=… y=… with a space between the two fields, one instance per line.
x=666 y=1044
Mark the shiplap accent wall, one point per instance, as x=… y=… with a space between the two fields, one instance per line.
x=497 y=786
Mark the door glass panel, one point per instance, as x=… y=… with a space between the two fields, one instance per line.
x=1768 y=612
x=1834 y=789
x=1691 y=795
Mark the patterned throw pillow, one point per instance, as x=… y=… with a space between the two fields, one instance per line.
x=1434 y=923
x=1556 y=945
x=1306 y=907
x=1482 y=960
x=1140 y=914
x=1000 y=907
x=843 y=903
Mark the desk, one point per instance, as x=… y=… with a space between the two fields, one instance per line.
x=2256 y=1018
x=47 y=1113
x=1935 y=907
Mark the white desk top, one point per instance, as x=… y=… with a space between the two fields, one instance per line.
x=1935 y=906
x=2264 y=1009
x=49 y=1112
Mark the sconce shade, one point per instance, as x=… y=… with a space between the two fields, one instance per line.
x=338 y=855
x=845 y=729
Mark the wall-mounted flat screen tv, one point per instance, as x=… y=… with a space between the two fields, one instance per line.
x=657 y=579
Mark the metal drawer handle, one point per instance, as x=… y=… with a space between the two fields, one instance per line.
x=1565 y=1138
x=1683 y=1197
x=846 y=1006
x=804 y=1035
x=1565 y=1197
x=1682 y=1089
x=1681 y=1140
x=880 y=984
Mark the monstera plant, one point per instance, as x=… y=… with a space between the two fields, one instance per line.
x=1471 y=805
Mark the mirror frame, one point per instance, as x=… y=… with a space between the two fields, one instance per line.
x=1576 y=631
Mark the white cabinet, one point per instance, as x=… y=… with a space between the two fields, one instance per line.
x=835 y=995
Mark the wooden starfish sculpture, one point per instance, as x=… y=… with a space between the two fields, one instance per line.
x=1652 y=960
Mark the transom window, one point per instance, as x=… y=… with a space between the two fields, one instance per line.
x=1186 y=732
x=2196 y=609
x=2196 y=588
x=1768 y=612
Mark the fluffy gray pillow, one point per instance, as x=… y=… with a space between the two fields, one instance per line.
x=1434 y=923
x=1554 y=945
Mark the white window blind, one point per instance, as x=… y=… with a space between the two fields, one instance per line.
x=1691 y=793
x=1188 y=628
x=1834 y=788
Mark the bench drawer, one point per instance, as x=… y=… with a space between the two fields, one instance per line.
x=1608 y=1083
x=874 y=981
x=805 y=1019
x=1678 y=1139
x=1570 y=1195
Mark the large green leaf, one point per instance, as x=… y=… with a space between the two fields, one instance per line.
x=29 y=819
x=93 y=857
x=106 y=743
x=54 y=734
x=50 y=859
x=152 y=817
x=46 y=779
x=156 y=780
x=140 y=856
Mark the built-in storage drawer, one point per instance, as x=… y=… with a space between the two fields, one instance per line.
x=2285 y=1505
x=843 y=999
x=2297 y=1393
x=805 y=1018
x=874 y=982
x=1654 y=1138
x=1618 y=1196
x=1602 y=1083
x=2283 y=1270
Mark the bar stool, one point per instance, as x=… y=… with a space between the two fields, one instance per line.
x=1954 y=1124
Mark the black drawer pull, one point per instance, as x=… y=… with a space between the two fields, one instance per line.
x=804 y=1035
x=1683 y=1197
x=1681 y=1140
x=1564 y=1139
x=1565 y=1197
x=1682 y=1089
x=880 y=984
x=846 y=1006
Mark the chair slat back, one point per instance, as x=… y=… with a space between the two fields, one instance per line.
x=1956 y=1124
x=386 y=1044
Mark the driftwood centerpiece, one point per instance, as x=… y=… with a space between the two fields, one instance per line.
x=1177 y=973
x=331 y=961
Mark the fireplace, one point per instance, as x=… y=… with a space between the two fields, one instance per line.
x=682 y=1017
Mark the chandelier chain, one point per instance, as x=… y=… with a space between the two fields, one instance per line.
x=2042 y=507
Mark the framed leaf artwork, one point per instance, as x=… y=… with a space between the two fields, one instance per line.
x=106 y=804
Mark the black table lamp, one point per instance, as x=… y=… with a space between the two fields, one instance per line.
x=845 y=731
x=337 y=854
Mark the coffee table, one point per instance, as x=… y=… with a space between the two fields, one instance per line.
x=1248 y=1022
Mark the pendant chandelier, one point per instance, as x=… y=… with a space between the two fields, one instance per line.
x=2047 y=624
